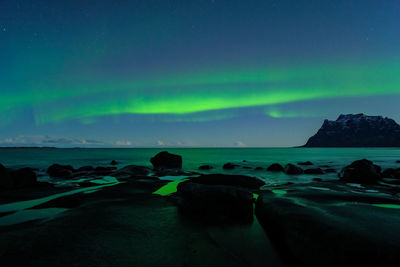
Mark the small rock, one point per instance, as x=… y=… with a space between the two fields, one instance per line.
x=165 y=160
x=293 y=169
x=246 y=167
x=259 y=168
x=57 y=170
x=330 y=170
x=275 y=167
x=133 y=170
x=205 y=167
x=391 y=173
x=85 y=169
x=313 y=171
x=229 y=166
x=317 y=179
x=113 y=162
x=306 y=163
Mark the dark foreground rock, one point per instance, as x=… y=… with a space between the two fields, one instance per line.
x=275 y=167
x=293 y=169
x=165 y=160
x=16 y=179
x=361 y=171
x=231 y=180
x=328 y=224
x=127 y=225
x=215 y=203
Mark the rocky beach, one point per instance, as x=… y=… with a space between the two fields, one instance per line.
x=164 y=215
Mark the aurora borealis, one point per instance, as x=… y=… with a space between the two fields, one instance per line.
x=204 y=73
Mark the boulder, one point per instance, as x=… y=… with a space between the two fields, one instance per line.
x=229 y=166
x=104 y=170
x=133 y=170
x=313 y=171
x=113 y=162
x=57 y=170
x=6 y=181
x=165 y=160
x=275 y=167
x=15 y=179
x=230 y=180
x=391 y=173
x=24 y=177
x=293 y=169
x=305 y=163
x=205 y=167
x=215 y=203
x=361 y=171
x=85 y=169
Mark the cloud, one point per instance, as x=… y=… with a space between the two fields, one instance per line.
x=44 y=140
x=240 y=144
x=123 y=143
x=160 y=143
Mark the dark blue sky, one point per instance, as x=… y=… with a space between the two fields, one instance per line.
x=192 y=73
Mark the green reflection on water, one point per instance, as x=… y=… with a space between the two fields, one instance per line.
x=169 y=188
x=389 y=206
x=279 y=191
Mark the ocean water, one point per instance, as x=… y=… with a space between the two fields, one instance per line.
x=193 y=157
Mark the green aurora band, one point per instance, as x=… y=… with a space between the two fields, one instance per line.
x=56 y=101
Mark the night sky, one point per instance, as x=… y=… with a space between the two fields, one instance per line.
x=192 y=73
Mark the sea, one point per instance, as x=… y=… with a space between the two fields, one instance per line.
x=247 y=159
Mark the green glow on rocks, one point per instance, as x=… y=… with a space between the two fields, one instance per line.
x=255 y=196
x=169 y=188
x=389 y=206
x=279 y=192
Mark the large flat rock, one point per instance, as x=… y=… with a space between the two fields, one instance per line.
x=333 y=224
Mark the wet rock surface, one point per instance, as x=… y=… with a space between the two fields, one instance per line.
x=275 y=167
x=332 y=224
x=229 y=166
x=215 y=203
x=231 y=180
x=361 y=171
x=205 y=167
x=292 y=169
x=57 y=170
x=305 y=163
x=166 y=160
x=314 y=171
